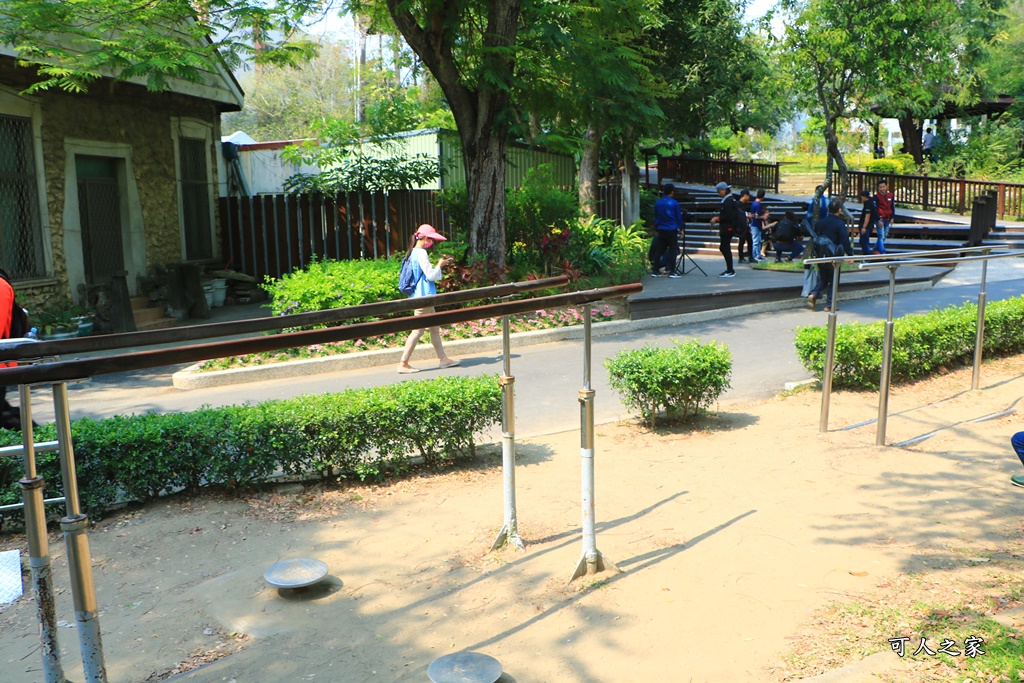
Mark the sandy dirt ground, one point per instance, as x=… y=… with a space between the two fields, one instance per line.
x=729 y=535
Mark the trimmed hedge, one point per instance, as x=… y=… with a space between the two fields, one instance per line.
x=683 y=379
x=921 y=343
x=363 y=433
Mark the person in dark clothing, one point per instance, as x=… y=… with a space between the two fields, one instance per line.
x=727 y=220
x=742 y=233
x=833 y=229
x=786 y=237
x=868 y=220
x=1017 y=441
x=668 y=222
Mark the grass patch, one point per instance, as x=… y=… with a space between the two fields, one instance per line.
x=792 y=267
x=947 y=608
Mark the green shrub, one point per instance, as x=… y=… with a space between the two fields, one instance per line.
x=603 y=246
x=538 y=210
x=334 y=284
x=906 y=161
x=364 y=433
x=921 y=343
x=884 y=166
x=683 y=379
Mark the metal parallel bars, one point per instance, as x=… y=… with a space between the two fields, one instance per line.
x=893 y=262
x=921 y=258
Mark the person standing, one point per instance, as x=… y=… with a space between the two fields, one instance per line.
x=886 y=203
x=928 y=145
x=868 y=220
x=758 y=214
x=743 y=231
x=427 y=276
x=668 y=222
x=832 y=233
x=728 y=221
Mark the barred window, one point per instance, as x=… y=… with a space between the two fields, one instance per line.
x=195 y=198
x=21 y=249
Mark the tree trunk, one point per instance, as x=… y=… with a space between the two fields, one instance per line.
x=477 y=106
x=485 y=165
x=588 y=171
x=836 y=155
x=630 y=185
x=911 y=138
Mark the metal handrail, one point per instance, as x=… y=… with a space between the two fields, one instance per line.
x=111 y=342
x=903 y=255
x=874 y=262
x=62 y=371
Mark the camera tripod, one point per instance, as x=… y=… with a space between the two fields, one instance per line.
x=680 y=267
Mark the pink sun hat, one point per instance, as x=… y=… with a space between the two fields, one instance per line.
x=426 y=231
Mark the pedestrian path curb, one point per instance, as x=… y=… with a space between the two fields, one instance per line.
x=191 y=378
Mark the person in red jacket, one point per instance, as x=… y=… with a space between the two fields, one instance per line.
x=886 y=210
x=6 y=303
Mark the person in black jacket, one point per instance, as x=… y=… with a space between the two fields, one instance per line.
x=728 y=219
x=833 y=229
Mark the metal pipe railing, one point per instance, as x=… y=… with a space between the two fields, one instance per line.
x=177 y=335
x=62 y=371
x=75 y=525
x=893 y=262
x=868 y=261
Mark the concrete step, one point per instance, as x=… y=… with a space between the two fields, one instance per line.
x=145 y=315
x=140 y=302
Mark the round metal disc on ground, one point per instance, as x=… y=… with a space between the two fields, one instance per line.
x=464 y=667
x=298 y=572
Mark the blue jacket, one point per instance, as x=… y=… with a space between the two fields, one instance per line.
x=667 y=215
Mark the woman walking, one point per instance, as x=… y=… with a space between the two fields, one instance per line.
x=426 y=278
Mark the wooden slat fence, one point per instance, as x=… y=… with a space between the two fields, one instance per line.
x=739 y=174
x=956 y=194
x=275 y=234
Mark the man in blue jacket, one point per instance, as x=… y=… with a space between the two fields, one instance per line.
x=668 y=222
x=833 y=229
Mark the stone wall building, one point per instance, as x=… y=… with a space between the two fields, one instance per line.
x=115 y=180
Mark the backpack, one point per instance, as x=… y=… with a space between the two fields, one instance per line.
x=20 y=325
x=407 y=277
x=826 y=247
x=741 y=216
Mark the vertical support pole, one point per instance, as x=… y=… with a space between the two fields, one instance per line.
x=883 y=384
x=510 y=529
x=84 y=594
x=38 y=547
x=591 y=561
x=830 y=352
x=979 y=339
x=76 y=526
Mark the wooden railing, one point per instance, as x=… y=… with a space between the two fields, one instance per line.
x=955 y=194
x=739 y=174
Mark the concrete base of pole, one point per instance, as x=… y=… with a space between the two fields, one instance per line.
x=593 y=563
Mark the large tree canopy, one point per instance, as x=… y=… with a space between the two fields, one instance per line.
x=907 y=56
x=74 y=43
